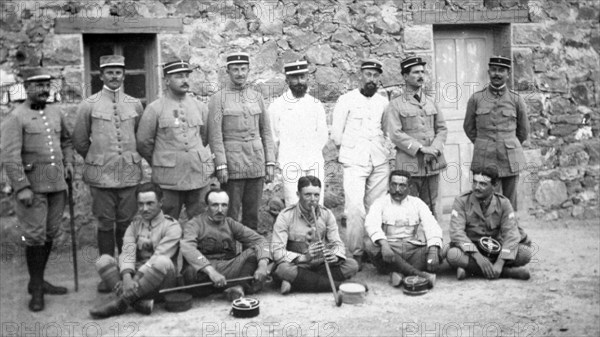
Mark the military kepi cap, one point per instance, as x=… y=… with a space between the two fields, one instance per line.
x=296 y=67
x=112 y=61
x=372 y=64
x=500 y=61
x=36 y=74
x=179 y=66
x=238 y=58
x=411 y=61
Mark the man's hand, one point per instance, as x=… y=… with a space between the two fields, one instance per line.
x=330 y=256
x=129 y=286
x=485 y=265
x=69 y=172
x=429 y=159
x=429 y=150
x=260 y=274
x=498 y=265
x=386 y=252
x=25 y=196
x=433 y=259
x=217 y=278
x=222 y=175
x=315 y=250
x=270 y=173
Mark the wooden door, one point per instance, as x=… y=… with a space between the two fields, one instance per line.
x=460 y=69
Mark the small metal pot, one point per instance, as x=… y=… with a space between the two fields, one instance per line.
x=415 y=285
x=245 y=307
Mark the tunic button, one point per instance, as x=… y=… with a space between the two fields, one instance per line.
x=49 y=137
x=51 y=150
x=44 y=117
x=46 y=123
x=51 y=157
x=41 y=112
x=53 y=164
x=48 y=129
x=50 y=143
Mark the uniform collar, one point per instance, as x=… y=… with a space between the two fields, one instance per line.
x=409 y=96
x=493 y=207
x=497 y=91
x=158 y=219
x=302 y=213
x=171 y=96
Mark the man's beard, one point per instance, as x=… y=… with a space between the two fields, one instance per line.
x=299 y=90
x=369 y=89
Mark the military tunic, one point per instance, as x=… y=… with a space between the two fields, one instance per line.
x=35 y=147
x=172 y=137
x=468 y=224
x=497 y=124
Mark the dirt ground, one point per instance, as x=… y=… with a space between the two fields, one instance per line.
x=561 y=299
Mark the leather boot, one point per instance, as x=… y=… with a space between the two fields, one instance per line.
x=49 y=289
x=115 y=307
x=396 y=279
x=119 y=234
x=286 y=287
x=461 y=274
x=144 y=306
x=516 y=273
x=35 y=256
x=308 y=281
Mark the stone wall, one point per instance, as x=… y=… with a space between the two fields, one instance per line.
x=555 y=52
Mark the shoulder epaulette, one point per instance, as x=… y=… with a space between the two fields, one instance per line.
x=168 y=217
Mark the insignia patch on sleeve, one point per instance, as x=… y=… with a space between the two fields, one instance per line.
x=454 y=212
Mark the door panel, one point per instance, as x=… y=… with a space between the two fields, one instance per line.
x=460 y=67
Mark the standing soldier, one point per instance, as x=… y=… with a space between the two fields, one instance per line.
x=357 y=130
x=104 y=136
x=172 y=137
x=416 y=126
x=496 y=122
x=37 y=155
x=299 y=130
x=240 y=136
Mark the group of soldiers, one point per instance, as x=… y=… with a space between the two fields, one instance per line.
x=390 y=200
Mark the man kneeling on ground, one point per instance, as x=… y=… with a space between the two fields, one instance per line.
x=209 y=251
x=485 y=237
x=148 y=259
x=299 y=254
x=404 y=237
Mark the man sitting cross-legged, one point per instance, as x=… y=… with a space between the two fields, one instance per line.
x=148 y=259
x=209 y=250
x=299 y=254
x=481 y=213
x=396 y=243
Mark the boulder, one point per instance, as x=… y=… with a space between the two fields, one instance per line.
x=551 y=193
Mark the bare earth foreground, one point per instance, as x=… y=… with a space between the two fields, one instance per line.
x=561 y=299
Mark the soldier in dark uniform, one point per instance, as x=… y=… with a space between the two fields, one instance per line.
x=208 y=247
x=299 y=256
x=104 y=135
x=37 y=155
x=173 y=138
x=240 y=136
x=496 y=122
x=481 y=213
x=417 y=128
x=148 y=261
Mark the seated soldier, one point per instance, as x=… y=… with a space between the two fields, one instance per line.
x=299 y=254
x=481 y=213
x=148 y=259
x=209 y=250
x=404 y=238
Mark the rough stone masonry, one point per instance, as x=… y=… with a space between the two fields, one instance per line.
x=555 y=50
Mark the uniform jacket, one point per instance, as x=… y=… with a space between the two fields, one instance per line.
x=468 y=224
x=356 y=128
x=496 y=122
x=393 y=221
x=35 y=146
x=411 y=124
x=239 y=132
x=204 y=240
x=300 y=129
x=143 y=239
x=172 y=137
x=104 y=136
x=290 y=234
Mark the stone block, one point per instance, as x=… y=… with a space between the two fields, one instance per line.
x=553 y=81
x=328 y=84
x=551 y=193
x=347 y=37
x=319 y=54
x=563 y=130
x=418 y=37
x=522 y=69
x=528 y=34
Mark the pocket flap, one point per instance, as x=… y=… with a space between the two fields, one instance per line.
x=231 y=112
x=254 y=110
x=510 y=144
x=33 y=129
x=408 y=113
x=482 y=111
x=165 y=159
x=101 y=115
x=95 y=159
x=509 y=113
x=430 y=110
x=166 y=122
x=125 y=115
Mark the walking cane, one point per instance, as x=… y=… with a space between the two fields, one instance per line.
x=336 y=296
x=200 y=285
x=73 y=238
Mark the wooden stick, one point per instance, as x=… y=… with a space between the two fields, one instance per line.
x=338 y=300
x=198 y=285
